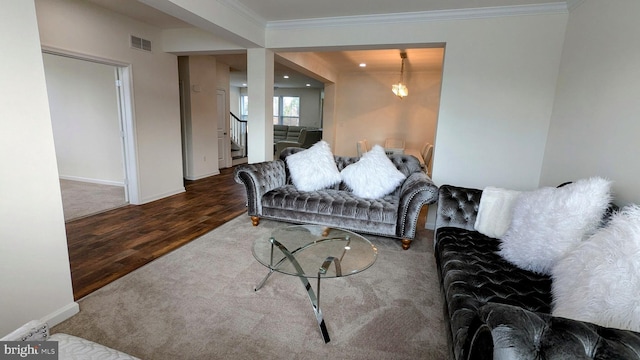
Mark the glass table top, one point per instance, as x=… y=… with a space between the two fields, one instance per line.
x=312 y=246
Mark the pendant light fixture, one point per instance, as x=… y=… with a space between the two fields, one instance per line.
x=400 y=89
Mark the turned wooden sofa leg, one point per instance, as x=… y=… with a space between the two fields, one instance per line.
x=406 y=243
x=255 y=220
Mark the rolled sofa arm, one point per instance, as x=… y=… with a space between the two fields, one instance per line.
x=416 y=191
x=503 y=332
x=258 y=179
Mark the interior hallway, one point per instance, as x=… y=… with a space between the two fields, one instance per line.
x=109 y=245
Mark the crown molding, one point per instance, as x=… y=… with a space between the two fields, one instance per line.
x=573 y=4
x=424 y=16
x=245 y=12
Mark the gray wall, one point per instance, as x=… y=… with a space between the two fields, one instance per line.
x=594 y=128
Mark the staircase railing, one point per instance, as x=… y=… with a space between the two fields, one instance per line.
x=239 y=133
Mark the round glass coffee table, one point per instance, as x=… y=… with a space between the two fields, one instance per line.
x=309 y=251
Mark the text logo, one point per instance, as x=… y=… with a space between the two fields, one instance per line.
x=33 y=350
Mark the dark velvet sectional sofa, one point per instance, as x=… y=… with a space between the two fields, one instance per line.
x=495 y=310
x=271 y=195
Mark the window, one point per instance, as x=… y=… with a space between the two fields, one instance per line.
x=244 y=107
x=286 y=110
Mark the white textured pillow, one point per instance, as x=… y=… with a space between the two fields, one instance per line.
x=599 y=281
x=548 y=222
x=373 y=176
x=314 y=168
x=494 y=211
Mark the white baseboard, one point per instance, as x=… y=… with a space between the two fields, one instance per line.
x=93 y=181
x=61 y=314
x=191 y=178
x=160 y=196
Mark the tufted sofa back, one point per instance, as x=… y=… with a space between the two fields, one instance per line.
x=457 y=207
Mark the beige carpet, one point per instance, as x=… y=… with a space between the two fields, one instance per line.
x=80 y=199
x=198 y=302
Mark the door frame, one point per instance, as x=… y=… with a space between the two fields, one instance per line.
x=124 y=88
x=224 y=159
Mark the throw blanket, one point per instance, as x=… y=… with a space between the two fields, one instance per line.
x=494 y=212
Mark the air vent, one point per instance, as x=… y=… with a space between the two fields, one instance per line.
x=140 y=43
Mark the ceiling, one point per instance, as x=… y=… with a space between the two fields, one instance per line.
x=426 y=59
x=279 y=10
x=290 y=10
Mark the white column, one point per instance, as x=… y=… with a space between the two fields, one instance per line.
x=260 y=92
x=34 y=260
x=329 y=126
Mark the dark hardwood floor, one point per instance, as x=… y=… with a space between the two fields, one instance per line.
x=107 y=246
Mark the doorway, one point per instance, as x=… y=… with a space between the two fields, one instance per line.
x=90 y=120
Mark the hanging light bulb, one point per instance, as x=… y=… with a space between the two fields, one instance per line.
x=400 y=89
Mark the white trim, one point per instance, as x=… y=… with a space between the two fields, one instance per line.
x=130 y=139
x=92 y=181
x=245 y=11
x=573 y=4
x=190 y=178
x=61 y=314
x=161 y=196
x=430 y=225
x=126 y=109
x=424 y=16
x=81 y=56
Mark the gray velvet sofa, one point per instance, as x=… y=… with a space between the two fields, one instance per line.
x=271 y=195
x=495 y=310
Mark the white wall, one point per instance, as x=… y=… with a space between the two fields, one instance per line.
x=34 y=262
x=83 y=28
x=198 y=74
x=595 y=128
x=497 y=93
x=234 y=100
x=367 y=109
x=84 y=114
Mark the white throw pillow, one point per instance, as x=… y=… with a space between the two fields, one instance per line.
x=548 y=222
x=314 y=168
x=599 y=281
x=494 y=211
x=373 y=176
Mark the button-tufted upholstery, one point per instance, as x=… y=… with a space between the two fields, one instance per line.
x=271 y=195
x=516 y=333
x=458 y=207
x=498 y=311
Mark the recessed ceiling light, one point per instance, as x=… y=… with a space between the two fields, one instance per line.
x=308 y=84
x=363 y=65
x=286 y=76
x=244 y=84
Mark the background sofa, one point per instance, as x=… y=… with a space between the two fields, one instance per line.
x=306 y=138
x=289 y=133
x=271 y=195
x=496 y=310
